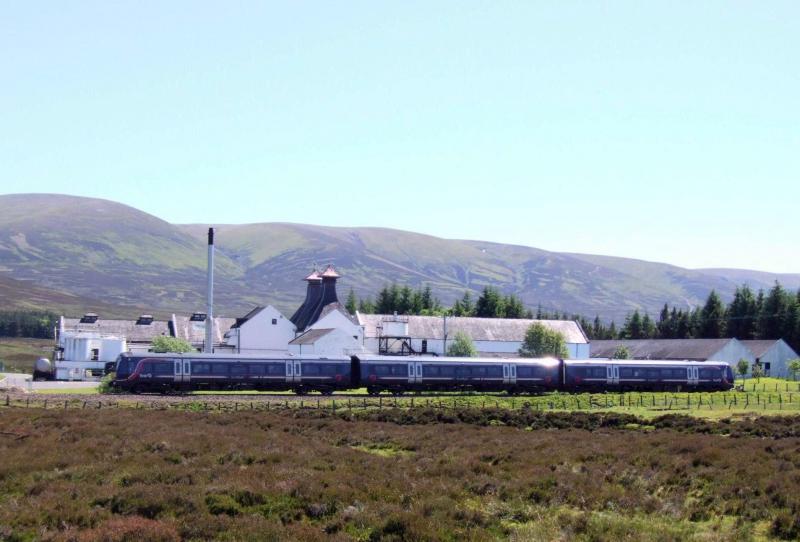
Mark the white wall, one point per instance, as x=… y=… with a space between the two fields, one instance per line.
x=260 y=334
x=336 y=320
x=732 y=353
x=335 y=343
x=778 y=356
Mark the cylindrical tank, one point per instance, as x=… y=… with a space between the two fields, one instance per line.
x=43 y=369
x=111 y=348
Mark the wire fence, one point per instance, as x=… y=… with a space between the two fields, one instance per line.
x=631 y=401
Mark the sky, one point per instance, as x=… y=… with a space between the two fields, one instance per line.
x=665 y=131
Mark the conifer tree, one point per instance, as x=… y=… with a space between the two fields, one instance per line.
x=712 y=318
x=351 y=304
x=742 y=314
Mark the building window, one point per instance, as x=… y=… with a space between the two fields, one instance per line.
x=424 y=346
x=274 y=321
x=95 y=354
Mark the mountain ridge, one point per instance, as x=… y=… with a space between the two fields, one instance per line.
x=115 y=254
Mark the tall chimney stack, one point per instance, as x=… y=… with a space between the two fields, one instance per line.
x=209 y=343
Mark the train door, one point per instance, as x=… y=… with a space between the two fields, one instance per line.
x=692 y=376
x=612 y=375
x=509 y=373
x=415 y=372
x=294 y=372
x=182 y=371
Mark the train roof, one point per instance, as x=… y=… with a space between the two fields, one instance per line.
x=440 y=359
x=642 y=362
x=236 y=357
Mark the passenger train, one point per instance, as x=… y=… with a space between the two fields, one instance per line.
x=301 y=374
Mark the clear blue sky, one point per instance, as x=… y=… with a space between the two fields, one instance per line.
x=664 y=131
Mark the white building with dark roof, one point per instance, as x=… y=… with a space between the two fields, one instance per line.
x=325 y=342
x=772 y=355
x=263 y=330
x=728 y=350
x=498 y=337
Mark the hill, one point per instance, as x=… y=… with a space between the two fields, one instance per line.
x=117 y=255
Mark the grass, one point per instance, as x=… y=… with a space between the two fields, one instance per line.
x=129 y=474
x=19 y=355
x=68 y=391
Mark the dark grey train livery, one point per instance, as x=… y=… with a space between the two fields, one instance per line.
x=301 y=374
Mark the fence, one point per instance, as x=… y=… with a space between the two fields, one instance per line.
x=632 y=401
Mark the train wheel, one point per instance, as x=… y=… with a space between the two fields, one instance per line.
x=374 y=391
x=299 y=390
x=326 y=392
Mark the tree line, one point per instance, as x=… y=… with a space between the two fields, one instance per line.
x=774 y=314
x=403 y=300
x=22 y=323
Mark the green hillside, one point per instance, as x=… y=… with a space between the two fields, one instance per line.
x=74 y=252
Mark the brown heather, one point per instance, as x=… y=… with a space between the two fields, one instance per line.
x=129 y=475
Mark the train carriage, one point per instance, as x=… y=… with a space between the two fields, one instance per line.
x=645 y=375
x=397 y=375
x=178 y=372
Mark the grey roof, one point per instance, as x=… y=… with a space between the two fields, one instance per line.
x=243 y=320
x=478 y=329
x=311 y=336
x=195 y=332
x=121 y=328
x=760 y=347
x=688 y=349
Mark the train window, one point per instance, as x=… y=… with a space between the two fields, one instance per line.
x=626 y=372
x=709 y=373
x=431 y=370
x=398 y=370
x=327 y=369
x=219 y=368
x=447 y=370
x=256 y=368
x=344 y=368
x=162 y=368
x=310 y=369
x=653 y=374
x=238 y=369
x=494 y=371
x=275 y=369
x=201 y=368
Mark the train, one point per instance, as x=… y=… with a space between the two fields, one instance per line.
x=148 y=372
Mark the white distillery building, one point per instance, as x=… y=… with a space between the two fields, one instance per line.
x=264 y=330
x=772 y=355
x=727 y=350
x=493 y=337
